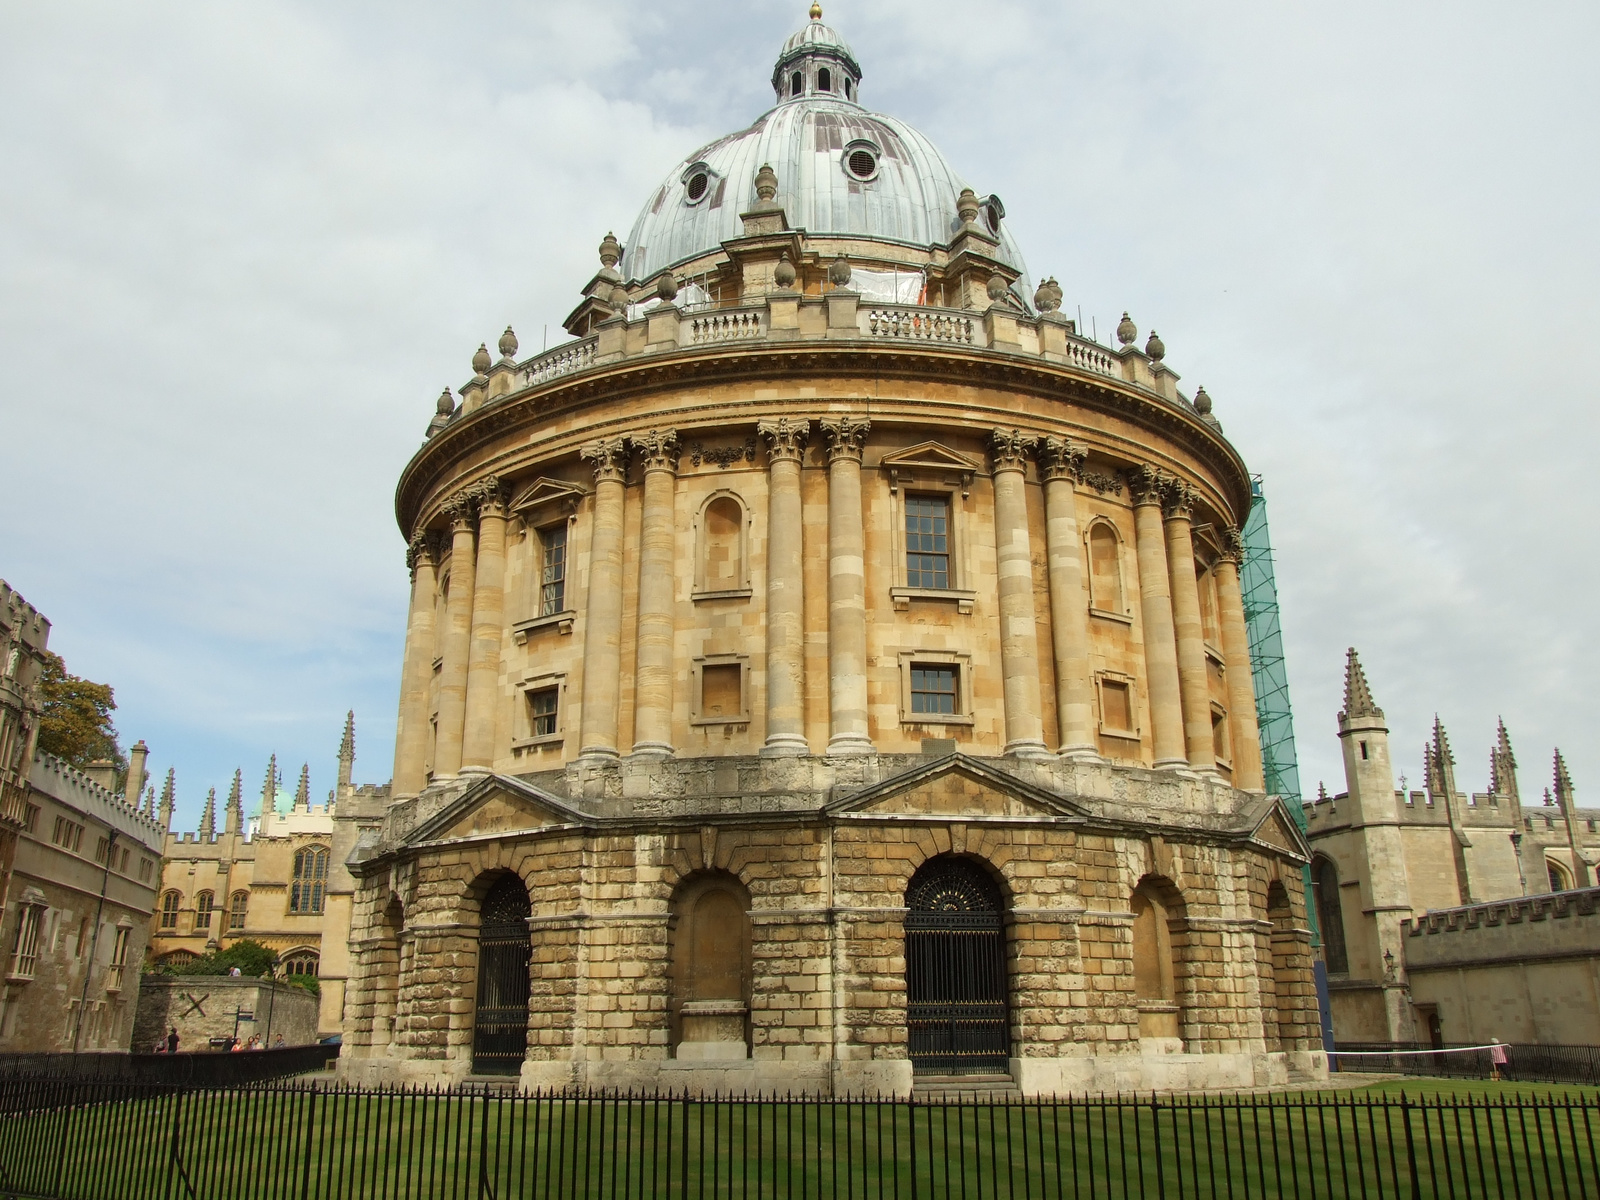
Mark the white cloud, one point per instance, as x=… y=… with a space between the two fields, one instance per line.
x=242 y=248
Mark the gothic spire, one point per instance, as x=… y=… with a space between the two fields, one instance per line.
x=234 y=821
x=1563 y=788
x=208 y=817
x=302 y=792
x=169 y=797
x=347 y=744
x=269 y=788
x=150 y=801
x=1441 y=765
x=1357 y=695
x=1503 y=767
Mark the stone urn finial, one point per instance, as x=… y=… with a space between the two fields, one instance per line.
x=481 y=360
x=1202 y=401
x=839 y=272
x=667 y=287
x=1047 y=298
x=1126 y=330
x=610 y=251
x=967 y=206
x=766 y=183
x=998 y=288
x=619 y=299
x=783 y=274
x=446 y=405
x=1155 y=347
x=508 y=344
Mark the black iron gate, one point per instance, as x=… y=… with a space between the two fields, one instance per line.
x=956 y=1012
x=500 y=1025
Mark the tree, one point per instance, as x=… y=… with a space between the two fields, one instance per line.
x=76 y=722
x=253 y=959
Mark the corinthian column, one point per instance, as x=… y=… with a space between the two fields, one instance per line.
x=602 y=639
x=1246 y=734
x=786 y=444
x=847 y=588
x=652 y=706
x=1061 y=464
x=488 y=623
x=1191 y=637
x=1155 y=603
x=1019 y=639
x=411 y=733
x=455 y=645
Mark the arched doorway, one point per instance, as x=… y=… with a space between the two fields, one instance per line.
x=957 y=1011
x=500 y=1024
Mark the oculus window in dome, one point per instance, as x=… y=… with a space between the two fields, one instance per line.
x=842 y=170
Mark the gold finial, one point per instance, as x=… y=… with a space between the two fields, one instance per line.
x=816 y=12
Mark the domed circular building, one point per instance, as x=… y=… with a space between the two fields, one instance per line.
x=827 y=672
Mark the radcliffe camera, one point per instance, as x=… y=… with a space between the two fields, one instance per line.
x=839 y=671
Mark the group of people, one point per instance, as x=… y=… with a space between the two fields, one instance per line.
x=169 y=1044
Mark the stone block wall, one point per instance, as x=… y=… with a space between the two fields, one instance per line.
x=203 y=1007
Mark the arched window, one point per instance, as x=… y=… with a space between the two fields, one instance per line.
x=1330 y=916
x=203 y=904
x=1560 y=881
x=722 y=546
x=824 y=80
x=301 y=962
x=1105 y=568
x=848 y=94
x=1278 y=1010
x=238 y=903
x=711 y=968
x=500 y=1020
x=169 y=910
x=310 y=886
x=797 y=84
x=1154 y=980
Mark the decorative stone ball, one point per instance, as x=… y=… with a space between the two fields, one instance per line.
x=967 y=206
x=1155 y=347
x=481 y=360
x=619 y=298
x=1126 y=330
x=766 y=182
x=667 y=287
x=508 y=344
x=839 y=272
x=1202 y=402
x=783 y=273
x=610 y=251
x=1048 y=296
x=446 y=405
x=998 y=287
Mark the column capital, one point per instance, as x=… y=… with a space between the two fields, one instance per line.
x=786 y=439
x=1146 y=484
x=847 y=436
x=491 y=496
x=1177 y=499
x=1060 y=458
x=657 y=449
x=462 y=510
x=610 y=459
x=1232 y=544
x=1008 y=449
x=423 y=547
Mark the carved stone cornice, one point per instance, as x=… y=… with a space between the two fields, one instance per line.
x=656 y=449
x=1177 y=499
x=847 y=436
x=461 y=510
x=1060 y=458
x=1009 y=449
x=786 y=439
x=610 y=459
x=1231 y=545
x=1146 y=484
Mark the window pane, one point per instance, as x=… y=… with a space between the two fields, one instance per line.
x=933 y=689
x=927 y=542
x=542 y=711
x=553 y=580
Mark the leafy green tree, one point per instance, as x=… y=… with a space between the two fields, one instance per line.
x=253 y=959
x=76 y=722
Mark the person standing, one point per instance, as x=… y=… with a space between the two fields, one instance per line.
x=172 y=1040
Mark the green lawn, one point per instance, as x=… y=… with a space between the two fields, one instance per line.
x=354 y=1146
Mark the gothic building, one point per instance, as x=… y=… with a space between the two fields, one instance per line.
x=1449 y=917
x=828 y=670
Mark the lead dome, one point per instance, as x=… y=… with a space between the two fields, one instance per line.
x=843 y=171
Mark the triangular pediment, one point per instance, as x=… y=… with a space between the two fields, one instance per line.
x=1277 y=829
x=496 y=805
x=957 y=786
x=543 y=493
x=930 y=456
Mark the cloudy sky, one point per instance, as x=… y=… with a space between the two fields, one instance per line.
x=242 y=247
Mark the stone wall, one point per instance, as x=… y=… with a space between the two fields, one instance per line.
x=202 y=1007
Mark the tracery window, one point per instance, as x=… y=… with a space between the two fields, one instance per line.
x=169 y=910
x=25 y=951
x=1559 y=881
x=309 y=888
x=1330 y=914
x=238 y=904
x=203 y=903
x=301 y=962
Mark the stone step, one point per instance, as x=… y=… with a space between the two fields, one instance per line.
x=958 y=1087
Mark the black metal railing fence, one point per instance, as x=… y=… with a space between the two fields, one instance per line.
x=81 y=1140
x=1527 y=1062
